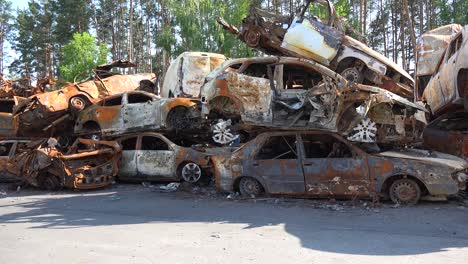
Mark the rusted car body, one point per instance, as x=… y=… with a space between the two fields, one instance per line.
x=137 y=111
x=152 y=157
x=448 y=134
x=7 y=127
x=430 y=50
x=305 y=36
x=39 y=114
x=8 y=149
x=12 y=88
x=324 y=164
x=88 y=164
x=447 y=90
x=286 y=92
x=185 y=75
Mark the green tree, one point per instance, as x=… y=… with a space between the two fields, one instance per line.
x=80 y=56
x=6 y=18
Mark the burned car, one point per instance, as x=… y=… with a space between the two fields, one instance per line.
x=447 y=90
x=87 y=164
x=152 y=157
x=285 y=92
x=43 y=113
x=8 y=149
x=448 y=134
x=430 y=49
x=185 y=75
x=306 y=36
x=323 y=164
x=137 y=111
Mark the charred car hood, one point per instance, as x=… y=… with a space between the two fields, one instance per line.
x=428 y=157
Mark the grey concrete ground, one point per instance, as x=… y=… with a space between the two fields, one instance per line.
x=136 y=224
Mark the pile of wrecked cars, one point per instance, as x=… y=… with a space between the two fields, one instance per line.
x=346 y=123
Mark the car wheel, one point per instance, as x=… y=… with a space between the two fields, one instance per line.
x=78 y=104
x=250 y=187
x=405 y=192
x=352 y=75
x=191 y=172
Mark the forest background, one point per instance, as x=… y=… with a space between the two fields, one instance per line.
x=42 y=38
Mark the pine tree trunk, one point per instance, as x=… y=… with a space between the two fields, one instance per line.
x=130 y=35
x=406 y=11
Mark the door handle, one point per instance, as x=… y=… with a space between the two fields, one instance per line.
x=255 y=164
x=307 y=164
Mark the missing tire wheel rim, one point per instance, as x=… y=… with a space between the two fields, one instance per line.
x=191 y=172
x=222 y=133
x=365 y=131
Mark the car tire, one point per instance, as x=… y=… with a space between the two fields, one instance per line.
x=191 y=172
x=250 y=187
x=405 y=192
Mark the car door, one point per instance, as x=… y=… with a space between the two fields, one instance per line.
x=276 y=163
x=140 y=111
x=108 y=114
x=447 y=76
x=128 y=167
x=331 y=167
x=156 y=159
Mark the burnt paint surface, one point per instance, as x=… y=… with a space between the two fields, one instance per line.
x=362 y=175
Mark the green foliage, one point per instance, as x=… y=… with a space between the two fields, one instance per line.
x=197 y=29
x=80 y=56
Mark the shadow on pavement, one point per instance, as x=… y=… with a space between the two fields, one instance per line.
x=400 y=231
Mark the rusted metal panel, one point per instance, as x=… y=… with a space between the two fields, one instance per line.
x=431 y=47
x=187 y=73
x=39 y=111
x=118 y=114
x=447 y=88
x=448 y=134
x=346 y=171
x=324 y=42
x=329 y=102
x=160 y=162
x=87 y=164
x=312 y=39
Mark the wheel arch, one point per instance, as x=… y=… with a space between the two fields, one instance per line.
x=181 y=165
x=237 y=180
x=384 y=188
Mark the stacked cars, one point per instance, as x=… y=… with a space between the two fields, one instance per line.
x=323 y=116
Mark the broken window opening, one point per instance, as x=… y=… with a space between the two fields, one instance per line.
x=129 y=143
x=138 y=98
x=297 y=77
x=7 y=106
x=113 y=101
x=255 y=70
x=278 y=147
x=153 y=143
x=456 y=44
x=5 y=149
x=324 y=146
